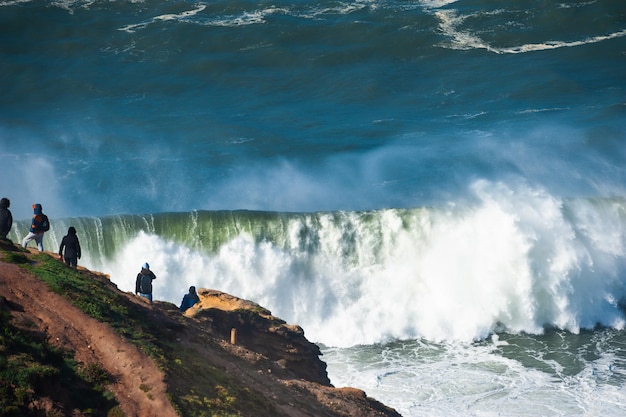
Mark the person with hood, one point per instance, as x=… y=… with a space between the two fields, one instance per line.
x=189 y=299
x=6 y=219
x=72 y=248
x=38 y=226
x=143 y=285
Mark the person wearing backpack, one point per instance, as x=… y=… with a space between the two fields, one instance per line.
x=143 y=285
x=72 y=248
x=38 y=226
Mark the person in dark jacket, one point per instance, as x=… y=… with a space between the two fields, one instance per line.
x=38 y=226
x=6 y=219
x=189 y=299
x=143 y=285
x=72 y=248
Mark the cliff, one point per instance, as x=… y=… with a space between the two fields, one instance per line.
x=73 y=344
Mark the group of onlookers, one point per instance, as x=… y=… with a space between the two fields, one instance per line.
x=69 y=250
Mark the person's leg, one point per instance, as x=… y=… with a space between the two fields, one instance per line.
x=30 y=236
x=39 y=240
x=146 y=295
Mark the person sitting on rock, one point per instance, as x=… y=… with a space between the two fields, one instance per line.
x=189 y=299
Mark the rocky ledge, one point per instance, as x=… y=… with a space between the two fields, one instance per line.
x=248 y=324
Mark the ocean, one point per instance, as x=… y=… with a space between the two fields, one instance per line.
x=434 y=190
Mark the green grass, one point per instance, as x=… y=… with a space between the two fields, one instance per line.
x=212 y=392
x=31 y=368
x=97 y=299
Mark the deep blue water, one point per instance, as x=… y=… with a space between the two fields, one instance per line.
x=462 y=161
x=138 y=107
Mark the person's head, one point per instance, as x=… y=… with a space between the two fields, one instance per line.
x=37 y=209
x=192 y=290
x=71 y=231
x=145 y=266
x=5 y=203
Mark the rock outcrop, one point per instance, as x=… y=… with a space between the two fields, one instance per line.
x=257 y=329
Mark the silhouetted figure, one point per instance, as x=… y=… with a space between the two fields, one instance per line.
x=72 y=248
x=6 y=219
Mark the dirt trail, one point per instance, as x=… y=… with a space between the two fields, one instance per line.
x=138 y=384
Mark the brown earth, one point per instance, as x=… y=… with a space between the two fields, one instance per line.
x=294 y=381
x=90 y=340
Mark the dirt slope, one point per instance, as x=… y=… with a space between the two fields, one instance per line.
x=92 y=342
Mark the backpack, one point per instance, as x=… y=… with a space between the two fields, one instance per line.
x=40 y=223
x=145 y=285
x=45 y=224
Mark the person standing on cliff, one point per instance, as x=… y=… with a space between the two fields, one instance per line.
x=72 y=248
x=38 y=226
x=6 y=219
x=189 y=299
x=143 y=285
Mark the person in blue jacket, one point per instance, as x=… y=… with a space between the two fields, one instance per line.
x=38 y=226
x=189 y=299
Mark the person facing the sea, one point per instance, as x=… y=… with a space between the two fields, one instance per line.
x=6 y=219
x=72 y=248
x=189 y=300
x=143 y=285
x=38 y=226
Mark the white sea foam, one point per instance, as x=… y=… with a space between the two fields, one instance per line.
x=459 y=379
x=451 y=20
x=13 y=2
x=435 y=4
x=558 y=44
x=183 y=16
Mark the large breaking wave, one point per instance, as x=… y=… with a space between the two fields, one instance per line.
x=513 y=260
